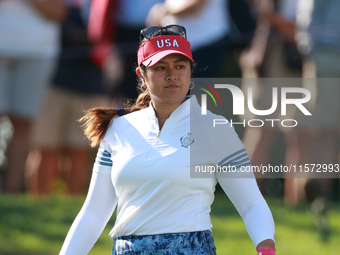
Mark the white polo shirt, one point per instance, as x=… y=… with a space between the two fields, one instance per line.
x=146 y=174
x=150 y=169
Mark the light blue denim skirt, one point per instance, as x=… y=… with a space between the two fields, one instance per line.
x=184 y=243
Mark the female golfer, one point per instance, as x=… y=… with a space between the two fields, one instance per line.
x=146 y=157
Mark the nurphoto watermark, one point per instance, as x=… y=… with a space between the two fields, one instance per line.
x=277 y=105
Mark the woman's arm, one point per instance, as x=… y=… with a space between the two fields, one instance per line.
x=97 y=209
x=249 y=202
x=50 y=9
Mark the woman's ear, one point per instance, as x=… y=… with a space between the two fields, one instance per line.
x=138 y=72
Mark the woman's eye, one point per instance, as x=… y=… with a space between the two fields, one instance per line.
x=180 y=66
x=160 y=68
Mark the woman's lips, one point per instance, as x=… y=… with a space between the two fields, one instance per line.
x=172 y=86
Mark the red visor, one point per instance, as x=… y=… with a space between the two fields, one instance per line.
x=159 y=47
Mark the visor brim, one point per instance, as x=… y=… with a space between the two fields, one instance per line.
x=159 y=55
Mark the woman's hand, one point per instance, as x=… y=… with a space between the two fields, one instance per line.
x=266 y=247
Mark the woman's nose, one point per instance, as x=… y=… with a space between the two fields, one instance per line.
x=171 y=75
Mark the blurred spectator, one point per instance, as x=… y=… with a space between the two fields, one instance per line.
x=208 y=26
x=59 y=145
x=244 y=22
x=316 y=141
x=120 y=21
x=129 y=19
x=29 y=43
x=272 y=54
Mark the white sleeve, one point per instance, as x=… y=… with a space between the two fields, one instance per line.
x=249 y=202
x=241 y=187
x=98 y=207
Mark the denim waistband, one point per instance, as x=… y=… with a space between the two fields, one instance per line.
x=200 y=242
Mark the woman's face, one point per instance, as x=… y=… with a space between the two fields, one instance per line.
x=169 y=79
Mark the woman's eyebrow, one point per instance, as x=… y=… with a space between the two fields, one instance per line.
x=179 y=60
x=176 y=61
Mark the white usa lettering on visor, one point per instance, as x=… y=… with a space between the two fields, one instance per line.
x=167 y=42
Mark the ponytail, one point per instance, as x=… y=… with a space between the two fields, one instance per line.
x=97 y=120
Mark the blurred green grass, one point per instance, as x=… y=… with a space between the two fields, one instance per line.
x=34 y=225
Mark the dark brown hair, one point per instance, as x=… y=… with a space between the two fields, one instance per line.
x=97 y=120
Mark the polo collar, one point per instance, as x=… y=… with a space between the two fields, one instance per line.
x=184 y=109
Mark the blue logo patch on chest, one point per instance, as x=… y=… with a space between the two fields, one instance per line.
x=187 y=140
